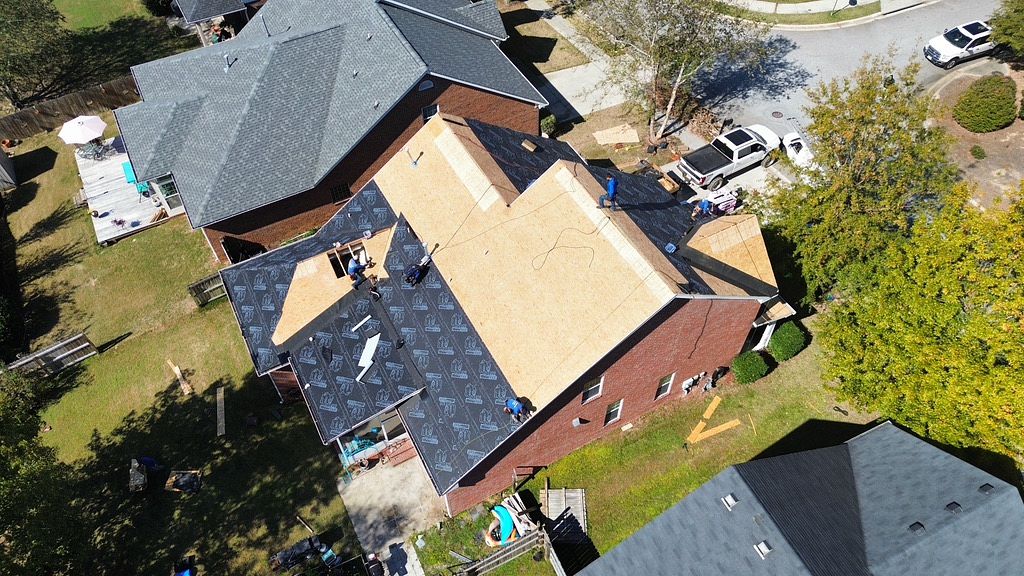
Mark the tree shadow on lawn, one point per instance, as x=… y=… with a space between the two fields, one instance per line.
x=775 y=76
x=252 y=477
x=49 y=261
x=57 y=219
x=46 y=307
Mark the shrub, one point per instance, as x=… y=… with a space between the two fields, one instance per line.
x=548 y=124
x=749 y=367
x=786 y=342
x=978 y=152
x=988 y=105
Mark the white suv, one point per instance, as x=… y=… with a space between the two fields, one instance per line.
x=961 y=43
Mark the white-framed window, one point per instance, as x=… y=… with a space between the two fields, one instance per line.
x=664 y=386
x=592 y=389
x=763 y=548
x=613 y=412
x=730 y=501
x=430 y=111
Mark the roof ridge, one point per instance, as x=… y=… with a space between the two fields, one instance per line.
x=398 y=34
x=243 y=113
x=439 y=18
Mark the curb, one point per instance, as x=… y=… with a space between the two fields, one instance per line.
x=848 y=23
x=948 y=79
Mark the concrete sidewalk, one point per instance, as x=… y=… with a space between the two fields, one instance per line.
x=812 y=7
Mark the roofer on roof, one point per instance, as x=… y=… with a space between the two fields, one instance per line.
x=613 y=189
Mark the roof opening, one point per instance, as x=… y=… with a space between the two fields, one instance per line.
x=730 y=501
x=916 y=527
x=986 y=488
x=954 y=507
x=763 y=548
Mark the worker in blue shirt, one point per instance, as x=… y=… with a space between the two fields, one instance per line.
x=355 y=272
x=613 y=187
x=514 y=407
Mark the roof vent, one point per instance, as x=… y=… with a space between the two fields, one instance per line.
x=763 y=548
x=355 y=73
x=954 y=507
x=530 y=146
x=376 y=104
x=730 y=501
x=916 y=527
x=369 y=35
x=986 y=488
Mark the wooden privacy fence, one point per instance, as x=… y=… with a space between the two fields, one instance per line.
x=57 y=357
x=208 y=289
x=54 y=113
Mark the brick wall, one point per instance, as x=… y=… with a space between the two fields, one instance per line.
x=292 y=216
x=689 y=337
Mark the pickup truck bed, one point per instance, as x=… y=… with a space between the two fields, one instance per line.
x=707 y=159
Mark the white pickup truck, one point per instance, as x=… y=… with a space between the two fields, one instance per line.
x=710 y=165
x=955 y=45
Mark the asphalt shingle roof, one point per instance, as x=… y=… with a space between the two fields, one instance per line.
x=199 y=10
x=521 y=166
x=454 y=53
x=839 y=511
x=482 y=17
x=245 y=123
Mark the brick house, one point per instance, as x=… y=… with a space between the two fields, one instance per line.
x=590 y=317
x=261 y=138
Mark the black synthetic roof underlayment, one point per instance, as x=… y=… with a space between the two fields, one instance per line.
x=455 y=416
x=662 y=217
x=257 y=287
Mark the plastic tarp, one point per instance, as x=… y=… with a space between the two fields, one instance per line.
x=7 y=177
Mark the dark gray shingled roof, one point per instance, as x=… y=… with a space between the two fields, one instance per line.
x=661 y=216
x=258 y=119
x=463 y=56
x=481 y=17
x=257 y=287
x=840 y=511
x=456 y=416
x=199 y=10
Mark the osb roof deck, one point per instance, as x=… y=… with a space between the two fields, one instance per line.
x=510 y=266
x=730 y=255
x=315 y=287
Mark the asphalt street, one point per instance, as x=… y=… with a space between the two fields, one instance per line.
x=802 y=59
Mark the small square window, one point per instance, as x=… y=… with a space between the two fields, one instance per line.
x=430 y=111
x=730 y=501
x=664 y=386
x=763 y=548
x=613 y=413
x=592 y=389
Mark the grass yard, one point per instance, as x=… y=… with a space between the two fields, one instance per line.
x=632 y=477
x=534 y=46
x=90 y=13
x=624 y=157
x=124 y=402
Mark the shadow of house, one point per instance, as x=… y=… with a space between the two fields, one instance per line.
x=27 y=166
x=570 y=543
x=526 y=51
x=814 y=434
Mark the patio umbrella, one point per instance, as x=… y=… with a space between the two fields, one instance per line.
x=82 y=129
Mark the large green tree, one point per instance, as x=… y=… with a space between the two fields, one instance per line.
x=37 y=531
x=1008 y=25
x=877 y=167
x=938 y=343
x=664 y=44
x=34 y=44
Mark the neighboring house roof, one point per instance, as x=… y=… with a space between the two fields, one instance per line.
x=194 y=11
x=840 y=511
x=480 y=17
x=245 y=123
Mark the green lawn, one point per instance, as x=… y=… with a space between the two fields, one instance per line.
x=632 y=477
x=93 y=13
x=534 y=45
x=124 y=402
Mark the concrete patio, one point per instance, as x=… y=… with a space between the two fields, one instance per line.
x=120 y=209
x=387 y=504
